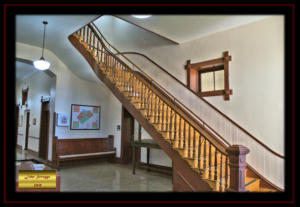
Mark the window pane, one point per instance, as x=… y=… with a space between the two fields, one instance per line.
x=207 y=82
x=219 y=78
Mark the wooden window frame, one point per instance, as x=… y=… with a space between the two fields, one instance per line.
x=196 y=69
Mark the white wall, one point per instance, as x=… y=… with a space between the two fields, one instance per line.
x=39 y=84
x=72 y=90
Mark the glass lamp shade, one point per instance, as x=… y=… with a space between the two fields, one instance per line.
x=141 y=16
x=41 y=64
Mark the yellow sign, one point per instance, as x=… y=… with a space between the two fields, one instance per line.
x=31 y=179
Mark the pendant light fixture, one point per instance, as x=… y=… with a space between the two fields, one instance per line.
x=42 y=64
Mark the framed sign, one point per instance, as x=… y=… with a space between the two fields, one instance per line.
x=85 y=117
x=63 y=119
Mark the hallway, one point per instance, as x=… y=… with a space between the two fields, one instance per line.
x=103 y=176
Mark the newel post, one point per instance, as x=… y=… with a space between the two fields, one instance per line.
x=237 y=163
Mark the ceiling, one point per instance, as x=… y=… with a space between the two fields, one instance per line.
x=184 y=28
x=29 y=29
x=24 y=70
x=178 y=28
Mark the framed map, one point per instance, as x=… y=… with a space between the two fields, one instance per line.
x=85 y=117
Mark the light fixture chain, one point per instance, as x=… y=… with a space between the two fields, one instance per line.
x=44 y=39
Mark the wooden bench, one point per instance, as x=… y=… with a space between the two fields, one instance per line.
x=74 y=149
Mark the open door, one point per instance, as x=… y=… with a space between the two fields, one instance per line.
x=126 y=136
x=44 y=131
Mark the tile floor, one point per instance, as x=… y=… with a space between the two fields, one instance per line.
x=104 y=176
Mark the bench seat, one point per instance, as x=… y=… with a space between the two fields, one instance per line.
x=83 y=148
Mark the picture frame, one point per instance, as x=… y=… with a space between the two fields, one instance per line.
x=63 y=119
x=85 y=117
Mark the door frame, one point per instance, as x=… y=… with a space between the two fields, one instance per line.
x=48 y=127
x=122 y=158
x=27 y=121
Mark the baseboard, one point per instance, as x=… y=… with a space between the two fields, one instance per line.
x=157 y=168
x=117 y=160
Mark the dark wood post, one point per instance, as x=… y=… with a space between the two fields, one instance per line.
x=188 y=73
x=227 y=58
x=237 y=164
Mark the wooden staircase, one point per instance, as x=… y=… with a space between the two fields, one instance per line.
x=201 y=162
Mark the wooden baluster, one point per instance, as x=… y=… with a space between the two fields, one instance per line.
x=221 y=172
x=162 y=116
x=184 y=134
x=124 y=78
x=175 y=129
x=180 y=132
x=155 y=109
x=94 y=44
x=145 y=98
x=194 y=143
x=140 y=94
x=149 y=102
x=209 y=161
x=88 y=37
x=151 y=110
x=80 y=34
x=158 y=115
x=216 y=164
x=98 y=47
x=189 y=142
x=101 y=53
x=199 y=152
x=170 y=126
x=144 y=95
x=226 y=172
x=205 y=155
x=84 y=34
x=132 y=83
x=167 y=119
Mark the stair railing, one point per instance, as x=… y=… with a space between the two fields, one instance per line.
x=209 y=156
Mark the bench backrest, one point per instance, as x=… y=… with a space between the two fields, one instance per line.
x=81 y=146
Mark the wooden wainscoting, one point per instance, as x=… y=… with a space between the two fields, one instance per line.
x=83 y=148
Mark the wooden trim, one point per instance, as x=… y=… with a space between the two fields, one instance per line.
x=19 y=147
x=208 y=62
x=146 y=29
x=154 y=167
x=210 y=69
x=209 y=104
x=213 y=93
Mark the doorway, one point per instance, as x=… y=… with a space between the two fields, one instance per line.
x=27 y=129
x=126 y=136
x=44 y=131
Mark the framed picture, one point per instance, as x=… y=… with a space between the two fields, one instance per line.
x=63 y=119
x=85 y=117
